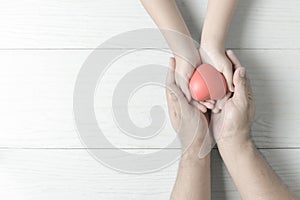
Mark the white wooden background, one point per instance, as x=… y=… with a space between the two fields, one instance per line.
x=42 y=47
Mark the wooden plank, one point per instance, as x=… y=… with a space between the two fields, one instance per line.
x=74 y=174
x=86 y=24
x=37 y=101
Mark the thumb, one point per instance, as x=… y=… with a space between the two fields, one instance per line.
x=240 y=83
x=228 y=76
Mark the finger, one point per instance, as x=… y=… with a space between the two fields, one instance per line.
x=235 y=61
x=203 y=109
x=215 y=110
x=207 y=116
x=175 y=98
x=183 y=85
x=174 y=93
x=250 y=91
x=250 y=96
x=220 y=104
x=186 y=91
x=240 y=83
x=228 y=95
x=199 y=106
x=171 y=72
x=172 y=89
x=207 y=104
x=211 y=101
x=228 y=76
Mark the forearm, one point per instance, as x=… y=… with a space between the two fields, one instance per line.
x=169 y=20
x=193 y=179
x=216 y=23
x=252 y=175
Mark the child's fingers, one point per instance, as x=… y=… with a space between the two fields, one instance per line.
x=211 y=101
x=199 y=106
x=207 y=104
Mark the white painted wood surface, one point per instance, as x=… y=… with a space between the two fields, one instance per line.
x=43 y=45
x=86 y=24
x=73 y=174
x=39 y=85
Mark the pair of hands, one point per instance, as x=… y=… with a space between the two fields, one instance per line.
x=231 y=124
x=214 y=57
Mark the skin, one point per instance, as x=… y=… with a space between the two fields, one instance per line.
x=230 y=126
x=168 y=18
x=214 y=34
x=212 y=50
x=252 y=175
x=193 y=178
x=213 y=38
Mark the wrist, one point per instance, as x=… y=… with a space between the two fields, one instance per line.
x=185 y=62
x=212 y=47
x=235 y=144
x=213 y=35
x=192 y=151
x=212 y=42
x=191 y=158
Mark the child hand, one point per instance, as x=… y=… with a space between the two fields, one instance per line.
x=219 y=60
x=184 y=71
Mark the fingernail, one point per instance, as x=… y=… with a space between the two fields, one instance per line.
x=242 y=72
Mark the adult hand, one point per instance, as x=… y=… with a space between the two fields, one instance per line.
x=184 y=71
x=190 y=124
x=234 y=121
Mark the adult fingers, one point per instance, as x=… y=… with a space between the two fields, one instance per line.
x=216 y=110
x=171 y=72
x=171 y=88
x=241 y=89
x=221 y=103
x=239 y=79
x=228 y=76
x=182 y=76
x=185 y=89
x=250 y=91
x=183 y=83
x=174 y=93
x=234 y=60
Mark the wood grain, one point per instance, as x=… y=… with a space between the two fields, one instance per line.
x=37 y=108
x=86 y=24
x=74 y=174
x=43 y=45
